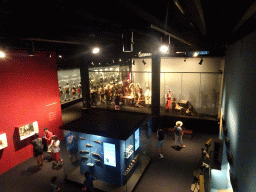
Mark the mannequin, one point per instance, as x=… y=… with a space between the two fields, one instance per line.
x=67 y=96
x=139 y=94
x=74 y=90
x=79 y=90
x=147 y=96
x=168 y=98
x=132 y=89
x=61 y=93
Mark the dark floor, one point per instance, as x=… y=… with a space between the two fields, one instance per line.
x=173 y=173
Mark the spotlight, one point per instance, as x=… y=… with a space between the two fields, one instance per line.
x=195 y=54
x=164 y=49
x=144 y=62
x=201 y=61
x=2 y=54
x=95 y=50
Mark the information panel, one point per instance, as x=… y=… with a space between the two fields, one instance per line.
x=109 y=154
x=137 y=139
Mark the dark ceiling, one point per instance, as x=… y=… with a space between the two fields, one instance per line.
x=73 y=27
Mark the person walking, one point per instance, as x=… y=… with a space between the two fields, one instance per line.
x=38 y=150
x=55 y=146
x=88 y=182
x=160 y=141
x=178 y=135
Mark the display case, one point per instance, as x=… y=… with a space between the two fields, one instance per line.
x=28 y=130
x=128 y=151
x=3 y=141
x=70 y=87
x=105 y=152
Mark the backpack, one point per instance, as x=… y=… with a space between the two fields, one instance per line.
x=39 y=146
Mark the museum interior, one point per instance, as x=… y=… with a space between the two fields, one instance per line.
x=104 y=77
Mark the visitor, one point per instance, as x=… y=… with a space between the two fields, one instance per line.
x=38 y=150
x=178 y=135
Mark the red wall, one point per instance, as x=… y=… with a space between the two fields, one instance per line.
x=29 y=92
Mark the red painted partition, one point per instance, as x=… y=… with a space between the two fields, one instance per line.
x=29 y=92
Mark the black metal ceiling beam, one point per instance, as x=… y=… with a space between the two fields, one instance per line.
x=201 y=14
x=156 y=23
x=250 y=11
x=171 y=35
x=55 y=41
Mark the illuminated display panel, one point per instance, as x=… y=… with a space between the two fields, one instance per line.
x=109 y=154
x=137 y=139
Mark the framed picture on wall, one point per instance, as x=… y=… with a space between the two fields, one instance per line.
x=3 y=141
x=28 y=130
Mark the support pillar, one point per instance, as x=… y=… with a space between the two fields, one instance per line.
x=85 y=83
x=156 y=62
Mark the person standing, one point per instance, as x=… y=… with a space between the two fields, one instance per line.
x=48 y=137
x=160 y=141
x=88 y=183
x=178 y=135
x=55 y=145
x=168 y=100
x=38 y=150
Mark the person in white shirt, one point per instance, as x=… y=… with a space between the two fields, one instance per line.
x=55 y=146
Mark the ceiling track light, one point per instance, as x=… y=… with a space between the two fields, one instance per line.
x=144 y=62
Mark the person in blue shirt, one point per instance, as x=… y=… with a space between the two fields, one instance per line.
x=160 y=140
x=88 y=182
x=178 y=135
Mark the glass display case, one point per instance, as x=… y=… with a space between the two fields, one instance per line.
x=3 y=141
x=69 y=85
x=114 y=163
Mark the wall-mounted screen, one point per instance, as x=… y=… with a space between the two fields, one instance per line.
x=109 y=154
x=137 y=139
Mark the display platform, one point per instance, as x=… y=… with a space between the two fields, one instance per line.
x=108 y=145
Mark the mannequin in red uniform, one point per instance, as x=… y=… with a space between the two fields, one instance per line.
x=168 y=100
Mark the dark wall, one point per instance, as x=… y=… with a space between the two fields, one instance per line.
x=239 y=112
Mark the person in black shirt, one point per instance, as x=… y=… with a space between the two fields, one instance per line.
x=160 y=136
x=38 y=149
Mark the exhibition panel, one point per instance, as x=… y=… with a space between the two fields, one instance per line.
x=116 y=160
